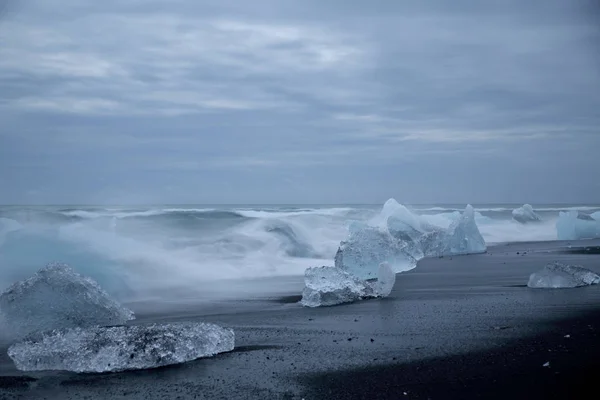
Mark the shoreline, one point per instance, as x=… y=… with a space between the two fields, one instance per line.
x=454 y=327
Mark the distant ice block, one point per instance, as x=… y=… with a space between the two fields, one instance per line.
x=462 y=237
x=120 y=348
x=328 y=286
x=557 y=275
x=367 y=247
x=525 y=214
x=58 y=297
x=574 y=225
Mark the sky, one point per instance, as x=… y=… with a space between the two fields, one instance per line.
x=304 y=101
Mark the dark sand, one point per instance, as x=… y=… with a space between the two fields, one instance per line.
x=453 y=328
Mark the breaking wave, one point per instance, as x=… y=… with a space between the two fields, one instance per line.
x=129 y=250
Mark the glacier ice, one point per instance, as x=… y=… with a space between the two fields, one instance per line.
x=328 y=286
x=58 y=297
x=525 y=214
x=558 y=275
x=401 y=238
x=367 y=247
x=462 y=237
x=120 y=348
x=574 y=225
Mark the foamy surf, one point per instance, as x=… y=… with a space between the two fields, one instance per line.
x=139 y=249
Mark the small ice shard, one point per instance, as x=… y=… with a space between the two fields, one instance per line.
x=557 y=275
x=525 y=214
x=462 y=237
x=546 y=365
x=58 y=297
x=574 y=225
x=328 y=286
x=120 y=348
x=367 y=247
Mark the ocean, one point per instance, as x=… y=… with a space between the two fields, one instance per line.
x=135 y=251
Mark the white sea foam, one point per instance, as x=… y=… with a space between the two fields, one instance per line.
x=148 y=247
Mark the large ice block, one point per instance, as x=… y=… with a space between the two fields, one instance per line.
x=525 y=214
x=120 y=348
x=368 y=247
x=557 y=275
x=462 y=237
x=573 y=225
x=58 y=297
x=328 y=286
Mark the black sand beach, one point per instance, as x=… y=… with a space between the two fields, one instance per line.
x=453 y=328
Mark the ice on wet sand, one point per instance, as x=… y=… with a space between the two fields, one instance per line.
x=119 y=348
x=555 y=276
x=328 y=286
x=58 y=297
x=400 y=238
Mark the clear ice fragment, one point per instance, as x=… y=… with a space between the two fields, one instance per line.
x=328 y=286
x=462 y=237
x=555 y=276
x=367 y=248
x=525 y=214
x=58 y=297
x=120 y=348
x=574 y=225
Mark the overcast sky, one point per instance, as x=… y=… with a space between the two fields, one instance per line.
x=303 y=101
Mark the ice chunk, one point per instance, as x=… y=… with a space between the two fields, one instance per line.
x=574 y=225
x=392 y=208
x=558 y=275
x=525 y=214
x=328 y=286
x=383 y=285
x=120 y=348
x=462 y=237
x=595 y=215
x=58 y=297
x=368 y=247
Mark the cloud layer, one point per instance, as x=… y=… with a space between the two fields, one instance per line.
x=285 y=101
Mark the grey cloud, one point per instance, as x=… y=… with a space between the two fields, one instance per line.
x=111 y=96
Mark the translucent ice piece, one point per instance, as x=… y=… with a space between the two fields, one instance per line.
x=58 y=297
x=120 y=348
x=557 y=275
x=525 y=214
x=573 y=225
x=328 y=286
x=462 y=237
x=367 y=248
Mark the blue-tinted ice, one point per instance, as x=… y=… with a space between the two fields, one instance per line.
x=555 y=276
x=367 y=247
x=574 y=225
x=58 y=297
x=328 y=286
x=400 y=238
x=525 y=214
x=120 y=348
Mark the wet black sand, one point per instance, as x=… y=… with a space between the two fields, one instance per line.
x=455 y=327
